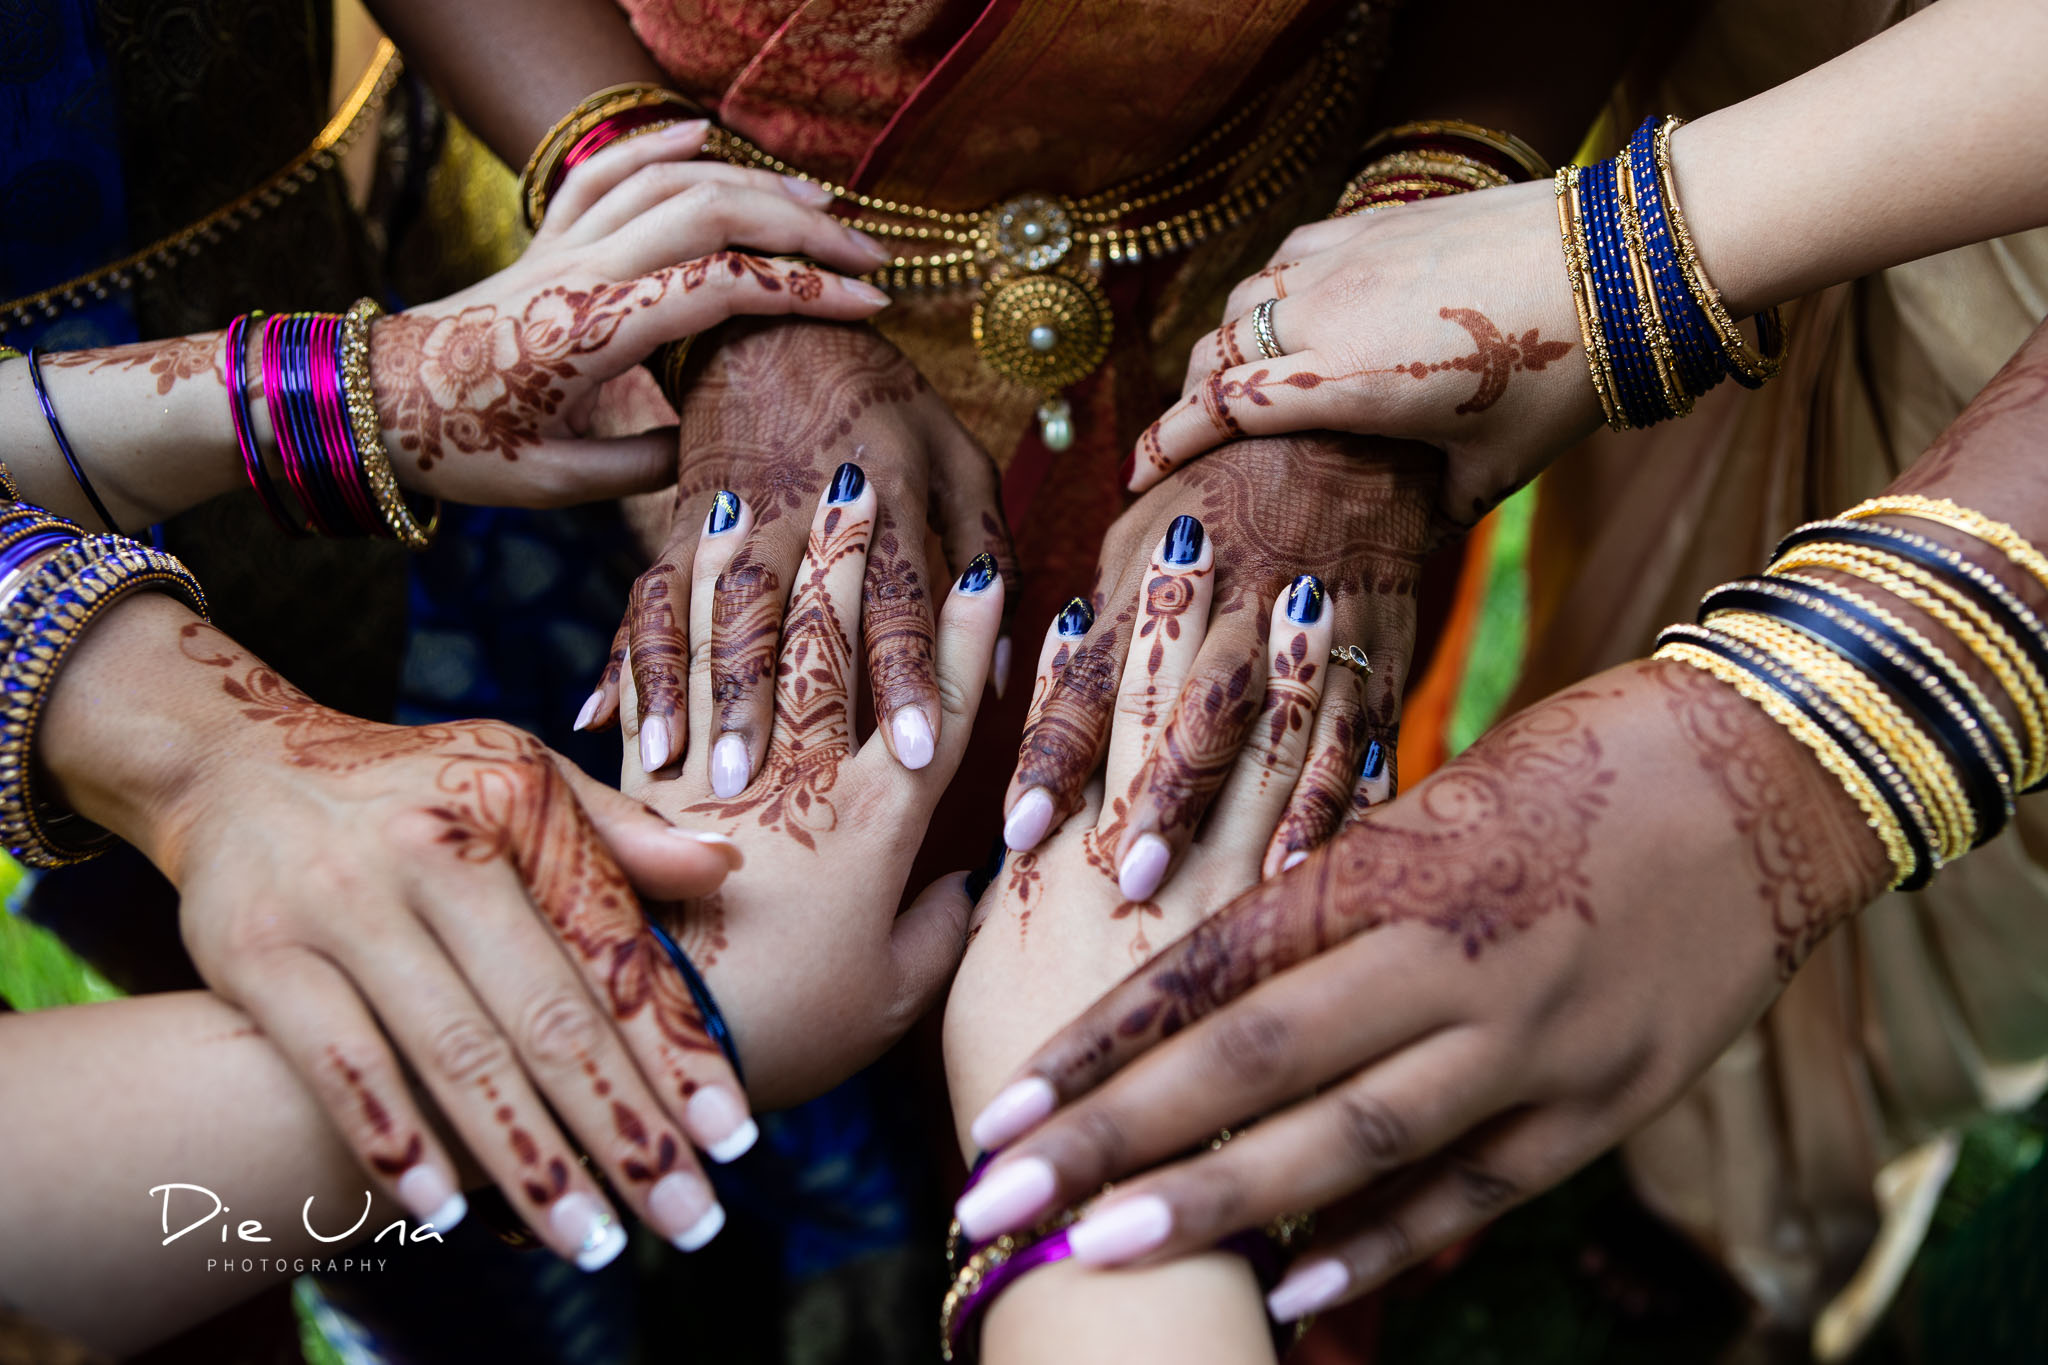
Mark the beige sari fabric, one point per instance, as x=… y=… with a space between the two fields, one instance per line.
x=1931 y=1007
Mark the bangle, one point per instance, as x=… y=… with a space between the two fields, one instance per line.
x=236 y=374
x=700 y=995
x=595 y=121
x=1571 y=228
x=1430 y=160
x=1996 y=534
x=1750 y=366
x=365 y=429
x=35 y=374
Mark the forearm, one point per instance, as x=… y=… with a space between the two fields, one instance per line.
x=537 y=60
x=1203 y=1308
x=1929 y=136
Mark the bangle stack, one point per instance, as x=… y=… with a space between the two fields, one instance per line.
x=1418 y=161
x=1657 y=335
x=55 y=581
x=1896 y=718
x=328 y=437
x=610 y=115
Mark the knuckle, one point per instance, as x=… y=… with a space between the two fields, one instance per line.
x=562 y=1029
x=1099 y=1144
x=1251 y=1045
x=1485 y=1190
x=466 y=1049
x=1374 y=1133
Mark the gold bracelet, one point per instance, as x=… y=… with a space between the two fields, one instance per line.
x=1996 y=534
x=1648 y=310
x=1964 y=617
x=1507 y=144
x=1571 y=228
x=368 y=429
x=1877 y=813
x=1749 y=363
x=588 y=112
x=1872 y=708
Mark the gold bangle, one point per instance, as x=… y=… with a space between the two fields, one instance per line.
x=587 y=113
x=1996 y=534
x=368 y=429
x=1571 y=230
x=1877 y=813
x=1651 y=312
x=1960 y=614
x=1507 y=144
x=1749 y=363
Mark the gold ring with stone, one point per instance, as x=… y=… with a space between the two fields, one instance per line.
x=1352 y=657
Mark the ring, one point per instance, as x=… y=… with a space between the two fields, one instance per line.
x=1353 y=658
x=1262 y=329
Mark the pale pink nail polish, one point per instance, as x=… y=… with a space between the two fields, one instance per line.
x=589 y=711
x=1009 y=1196
x=587 y=1225
x=719 y=1121
x=431 y=1198
x=913 y=736
x=1029 y=821
x=1307 y=1289
x=1144 y=867
x=1122 y=1232
x=730 y=767
x=653 y=744
x=806 y=191
x=1016 y=1109
x=867 y=293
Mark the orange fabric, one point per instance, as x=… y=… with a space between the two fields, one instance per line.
x=1426 y=713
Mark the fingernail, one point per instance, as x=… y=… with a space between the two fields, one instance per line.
x=431 y=1197
x=913 y=736
x=725 y=513
x=1375 y=759
x=806 y=191
x=847 y=481
x=720 y=1121
x=979 y=575
x=1015 y=1111
x=1009 y=1196
x=1144 y=867
x=1305 y=600
x=689 y=130
x=867 y=293
x=589 y=710
x=1076 y=619
x=1184 y=540
x=730 y=767
x=722 y=842
x=685 y=1210
x=653 y=743
x=991 y=868
x=1028 y=822
x=1307 y=1289
x=999 y=666
x=1123 y=1231
x=585 y=1223
x=882 y=255
x=1293 y=860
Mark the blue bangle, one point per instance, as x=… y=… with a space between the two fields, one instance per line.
x=700 y=995
x=1615 y=286
x=1700 y=363
x=35 y=374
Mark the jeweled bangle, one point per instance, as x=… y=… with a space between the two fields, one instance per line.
x=366 y=427
x=42 y=621
x=1692 y=338
x=701 y=997
x=1571 y=234
x=1502 y=151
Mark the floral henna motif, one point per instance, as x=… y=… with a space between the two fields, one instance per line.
x=746 y=627
x=896 y=627
x=1497 y=357
x=1200 y=745
x=1324 y=794
x=1025 y=877
x=171 y=360
x=1066 y=737
x=1291 y=694
x=660 y=645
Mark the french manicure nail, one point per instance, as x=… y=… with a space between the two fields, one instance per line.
x=589 y=710
x=1028 y=822
x=1305 y=600
x=913 y=736
x=867 y=293
x=1016 y=1109
x=1124 y=1231
x=1075 y=620
x=1009 y=1196
x=722 y=842
x=653 y=744
x=806 y=191
x=999 y=666
x=685 y=1210
x=1184 y=540
x=1307 y=1289
x=979 y=574
x=721 y=1122
x=699 y=1234
x=1143 y=868
x=1375 y=759
x=730 y=767
x=428 y=1193
x=586 y=1224
x=847 y=482
x=725 y=513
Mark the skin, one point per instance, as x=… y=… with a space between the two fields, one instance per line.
x=1540 y=986
x=486 y=395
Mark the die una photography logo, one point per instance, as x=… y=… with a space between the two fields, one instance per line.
x=241 y=1244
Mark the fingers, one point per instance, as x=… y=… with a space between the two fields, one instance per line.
x=603 y=706
x=746 y=636
x=896 y=634
x=967 y=488
x=1297 y=663
x=595 y=178
x=704 y=213
x=1322 y=795
x=683 y=300
x=974 y=611
x=814 y=681
x=661 y=860
x=657 y=614
x=653 y=178
x=925 y=948
x=1064 y=738
x=726 y=529
x=1262 y=398
x=1062 y=638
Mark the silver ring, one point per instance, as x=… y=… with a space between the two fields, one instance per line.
x=1262 y=330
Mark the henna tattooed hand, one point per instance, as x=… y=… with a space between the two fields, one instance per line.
x=1447 y=321
x=1463 y=998
x=487 y=396
x=776 y=410
x=812 y=966
x=1357 y=512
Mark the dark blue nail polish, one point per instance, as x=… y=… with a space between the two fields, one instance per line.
x=1305 y=600
x=1184 y=541
x=725 y=513
x=979 y=574
x=990 y=869
x=847 y=481
x=1375 y=759
x=1075 y=620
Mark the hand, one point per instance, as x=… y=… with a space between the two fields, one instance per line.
x=466 y=892
x=1479 y=988
x=812 y=966
x=776 y=410
x=1359 y=513
x=487 y=395
x=1448 y=321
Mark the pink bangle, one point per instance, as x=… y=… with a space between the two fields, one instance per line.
x=617 y=128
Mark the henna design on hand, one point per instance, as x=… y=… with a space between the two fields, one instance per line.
x=746 y=628
x=896 y=624
x=660 y=643
x=1497 y=356
x=393 y=1161
x=172 y=360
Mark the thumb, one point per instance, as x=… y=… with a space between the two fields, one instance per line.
x=662 y=861
x=926 y=946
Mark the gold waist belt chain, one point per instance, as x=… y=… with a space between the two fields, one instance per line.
x=1042 y=318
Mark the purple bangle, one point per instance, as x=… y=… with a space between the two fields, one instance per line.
x=35 y=375
x=960 y=1327
x=237 y=365
x=280 y=425
x=22 y=551
x=325 y=356
x=298 y=374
